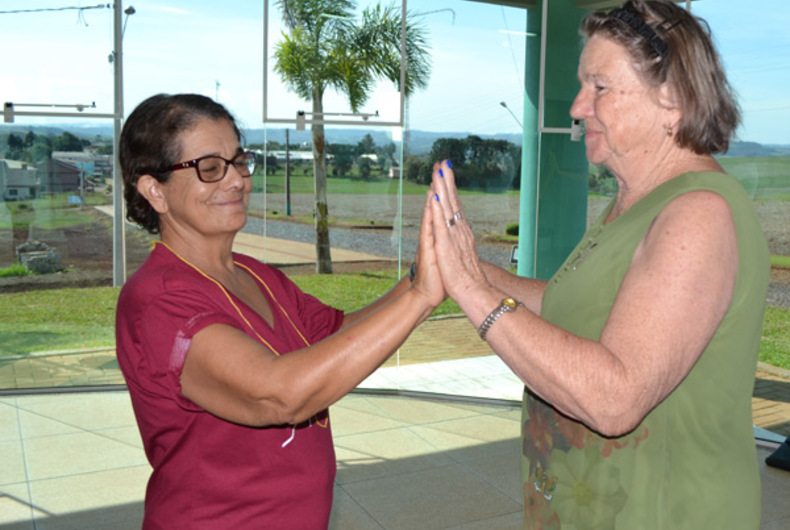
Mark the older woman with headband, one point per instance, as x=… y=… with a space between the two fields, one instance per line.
x=639 y=354
x=231 y=367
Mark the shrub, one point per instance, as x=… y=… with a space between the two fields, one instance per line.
x=15 y=270
x=512 y=229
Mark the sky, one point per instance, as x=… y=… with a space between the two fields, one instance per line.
x=216 y=48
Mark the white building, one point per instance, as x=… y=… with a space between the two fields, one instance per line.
x=18 y=180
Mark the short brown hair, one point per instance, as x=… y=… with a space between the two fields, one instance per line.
x=149 y=144
x=689 y=64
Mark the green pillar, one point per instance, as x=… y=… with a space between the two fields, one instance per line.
x=528 y=211
x=554 y=168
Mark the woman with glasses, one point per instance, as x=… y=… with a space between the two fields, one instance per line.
x=230 y=367
x=639 y=354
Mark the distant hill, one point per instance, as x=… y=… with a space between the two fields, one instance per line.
x=753 y=149
x=420 y=142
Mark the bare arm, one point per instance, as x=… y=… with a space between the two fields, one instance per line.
x=671 y=301
x=529 y=291
x=238 y=379
x=400 y=287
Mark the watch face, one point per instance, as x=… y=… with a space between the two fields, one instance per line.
x=509 y=303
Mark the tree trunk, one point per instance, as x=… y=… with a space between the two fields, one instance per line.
x=322 y=248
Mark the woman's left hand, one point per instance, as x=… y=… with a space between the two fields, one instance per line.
x=454 y=241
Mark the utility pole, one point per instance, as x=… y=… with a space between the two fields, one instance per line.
x=119 y=214
x=287 y=173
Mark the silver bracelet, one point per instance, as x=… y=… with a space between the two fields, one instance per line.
x=505 y=306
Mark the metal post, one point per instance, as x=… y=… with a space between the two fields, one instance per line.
x=287 y=173
x=530 y=148
x=119 y=236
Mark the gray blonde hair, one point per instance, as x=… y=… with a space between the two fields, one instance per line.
x=676 y=48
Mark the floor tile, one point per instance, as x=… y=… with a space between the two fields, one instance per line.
x=347 y=514
x=483 y=427
x=126 y=435
x=83 y=410
x=350 y=420
x=378 y=454
x=511 y=521
x=36 y=425
x=411 y=411
x=775 y=490
x=13 y=468
x=92 y=499
x=9 y=422
x=73 y=454
x=500 y=469
x=15 y=507
x=430 y=499
x=403 y=463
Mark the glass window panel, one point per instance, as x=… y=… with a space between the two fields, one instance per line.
x=754 y=51
x=471 y=111
x=56 y=254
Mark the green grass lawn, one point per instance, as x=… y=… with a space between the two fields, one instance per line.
x=775 y=343
x=781 y=261
x=765 y=177
x=51 y=211
x=58 y=319
x=68 y=319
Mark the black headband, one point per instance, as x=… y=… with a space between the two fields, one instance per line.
x=642 y=28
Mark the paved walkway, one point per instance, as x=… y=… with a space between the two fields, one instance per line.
x=434 y=343
x=278 y=252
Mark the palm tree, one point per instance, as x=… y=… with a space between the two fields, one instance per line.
x=326 y=49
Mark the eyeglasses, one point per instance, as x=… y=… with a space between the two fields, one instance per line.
x=213 y=168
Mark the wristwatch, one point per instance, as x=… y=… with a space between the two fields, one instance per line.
x=505 y=306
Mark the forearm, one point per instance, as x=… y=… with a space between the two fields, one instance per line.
x=252 y=386
x=580 y=377
x=555 y=364
x=320 y=375
x=526 y=290
x=398 y=289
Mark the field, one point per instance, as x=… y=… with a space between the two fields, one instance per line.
x=764 y=178
x=83 y=236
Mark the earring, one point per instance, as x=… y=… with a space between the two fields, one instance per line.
x=668 y=129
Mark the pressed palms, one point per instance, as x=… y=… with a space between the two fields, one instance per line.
x=326 y=49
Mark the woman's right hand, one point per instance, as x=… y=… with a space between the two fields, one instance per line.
x=428 y=280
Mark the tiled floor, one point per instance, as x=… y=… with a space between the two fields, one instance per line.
x=75 y=461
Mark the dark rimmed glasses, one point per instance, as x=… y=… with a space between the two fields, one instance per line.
x=213 y=168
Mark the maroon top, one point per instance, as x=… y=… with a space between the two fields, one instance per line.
x=208 y=472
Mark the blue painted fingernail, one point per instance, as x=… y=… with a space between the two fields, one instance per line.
x=449 y=164
x=441 y=173
x=437 y=196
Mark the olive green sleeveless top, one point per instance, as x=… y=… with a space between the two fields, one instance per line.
x=691 y=463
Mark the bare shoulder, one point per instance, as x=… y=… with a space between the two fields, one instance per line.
x=697 y=217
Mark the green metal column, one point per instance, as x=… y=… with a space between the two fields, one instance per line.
x=528 y=211
x=556 y=197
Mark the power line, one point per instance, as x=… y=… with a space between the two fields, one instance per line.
x=512 y=48
x=43 y=9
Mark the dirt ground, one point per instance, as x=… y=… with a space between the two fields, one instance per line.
x=86 y=249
